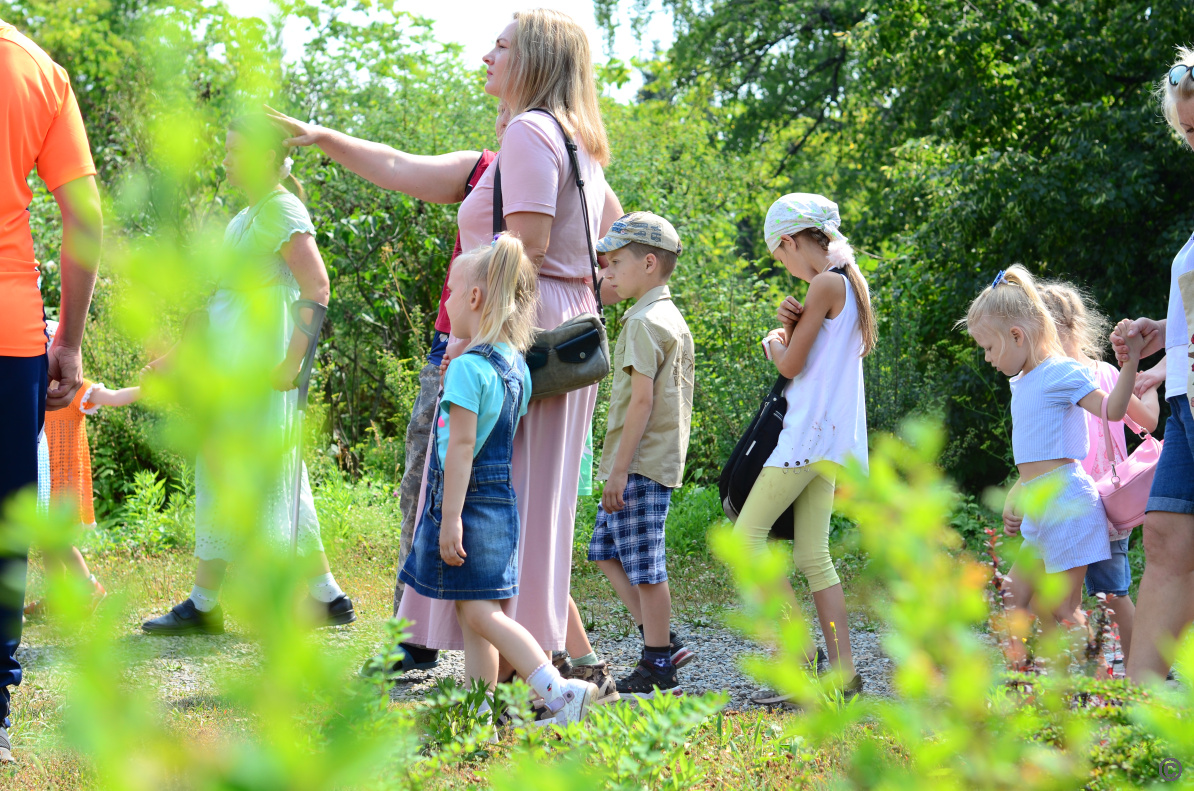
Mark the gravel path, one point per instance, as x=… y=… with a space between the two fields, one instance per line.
x=717 y=667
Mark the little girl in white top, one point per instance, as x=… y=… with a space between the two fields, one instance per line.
x=820 y=347
x=1011 y=323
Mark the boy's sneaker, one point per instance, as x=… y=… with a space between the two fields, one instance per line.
x=598 y=675
x=770 y=697
x=681 y=656
x=646 y=680
x=575 y=699
x=185 y=618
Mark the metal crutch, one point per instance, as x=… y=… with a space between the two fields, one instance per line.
x=303 y=382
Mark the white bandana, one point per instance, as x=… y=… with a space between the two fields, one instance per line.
x=800 y=210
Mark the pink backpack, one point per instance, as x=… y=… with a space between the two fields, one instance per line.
x=1124 y=490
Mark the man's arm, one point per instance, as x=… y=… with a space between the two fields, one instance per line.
x=82 y=235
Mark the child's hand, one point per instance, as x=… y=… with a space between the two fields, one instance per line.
x=775 y=336
x=1011 y=518
x=451 y=541
x=1134 y=341
x=1148 y=380
x=283 y=376
x=611 y=497
x=1146 y=329
x=789 y=312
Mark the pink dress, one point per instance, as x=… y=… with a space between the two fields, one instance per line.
x=536 y=177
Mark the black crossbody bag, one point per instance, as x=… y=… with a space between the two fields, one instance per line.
x=576 y=353
x=750 y=454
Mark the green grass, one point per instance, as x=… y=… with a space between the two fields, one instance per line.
x=360 y=526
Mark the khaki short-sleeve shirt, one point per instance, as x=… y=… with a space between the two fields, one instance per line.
x=656 y=342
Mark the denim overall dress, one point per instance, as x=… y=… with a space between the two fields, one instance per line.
x=490 y=514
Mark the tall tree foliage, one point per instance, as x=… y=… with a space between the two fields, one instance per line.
x=964 y=136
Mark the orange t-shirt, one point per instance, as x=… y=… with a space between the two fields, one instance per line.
x=40 y=126
x=70 y=455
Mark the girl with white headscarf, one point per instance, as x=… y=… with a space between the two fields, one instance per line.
x=820 y=349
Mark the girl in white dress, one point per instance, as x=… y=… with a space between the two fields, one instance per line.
x=276 y=263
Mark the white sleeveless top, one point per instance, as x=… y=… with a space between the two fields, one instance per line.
x=826 y=417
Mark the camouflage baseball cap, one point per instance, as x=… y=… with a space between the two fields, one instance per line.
x=641 y=227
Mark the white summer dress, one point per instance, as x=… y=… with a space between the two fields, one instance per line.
x=253 y=299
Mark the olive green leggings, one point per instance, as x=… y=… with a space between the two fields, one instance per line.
x=811 y=488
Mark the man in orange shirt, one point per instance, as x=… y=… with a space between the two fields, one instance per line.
x=40 y=127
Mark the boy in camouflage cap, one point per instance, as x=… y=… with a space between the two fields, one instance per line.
x=646 y=441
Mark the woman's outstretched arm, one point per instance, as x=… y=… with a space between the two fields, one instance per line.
x=435 y=179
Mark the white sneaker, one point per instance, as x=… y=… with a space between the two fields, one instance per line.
x=576 y=697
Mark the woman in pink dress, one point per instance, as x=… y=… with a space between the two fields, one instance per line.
x=540 y=60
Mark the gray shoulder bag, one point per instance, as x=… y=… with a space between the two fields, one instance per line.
x=576 y=353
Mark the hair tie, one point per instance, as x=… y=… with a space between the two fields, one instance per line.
x=999 y=278
x=287 y=165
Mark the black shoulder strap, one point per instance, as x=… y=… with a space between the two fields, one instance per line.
x=468 y=182
x=499 y=217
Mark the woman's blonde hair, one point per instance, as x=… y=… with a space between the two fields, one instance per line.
x=551 y=67
x=1076 y=318
x=1170 y=95
x=1015 y=301
x=510 y=284
x=841 y=256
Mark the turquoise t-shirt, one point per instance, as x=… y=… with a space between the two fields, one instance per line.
x=474 y=384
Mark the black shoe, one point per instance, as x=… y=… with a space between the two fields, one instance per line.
x=770 y=697
x=681 y=656
x=336 y=612
x=646 y=680
x=185 y=619
x=854 y=688
x=410 y=657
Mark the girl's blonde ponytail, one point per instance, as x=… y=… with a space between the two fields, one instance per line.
x=511 y=288
x=1076 y=317
x=841 y=256
x=1014 y=300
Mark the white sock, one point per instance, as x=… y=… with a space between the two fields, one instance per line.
x=546 y=682
x=205 y=600
x=324 y=588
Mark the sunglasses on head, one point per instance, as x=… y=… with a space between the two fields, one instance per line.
x=1179 y=71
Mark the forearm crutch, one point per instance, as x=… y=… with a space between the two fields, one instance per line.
x=303 y=382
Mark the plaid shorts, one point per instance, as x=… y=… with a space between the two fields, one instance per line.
x=635 y=534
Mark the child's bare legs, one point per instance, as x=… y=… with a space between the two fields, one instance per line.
x=1019 y=617
x=209 y=574
x=577 y=640
x=1123 y=615
x=74 y=563
x=1067 y=608
x=622 y=586
x=831 y=612
x=480 y=657
x=656 y=602
x=1024 y=602
x=487 y=621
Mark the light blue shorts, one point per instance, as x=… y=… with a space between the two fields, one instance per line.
x=1073 y=530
